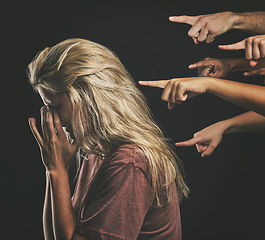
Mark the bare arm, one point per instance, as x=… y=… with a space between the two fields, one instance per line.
x=47 y=212
x=250 y=21
x=248 y=96
x=178 y=90
x=57 y=155
x=208 y=27
x=220 y=68
x=63 y=217
x=246 y=122
x=210 y=137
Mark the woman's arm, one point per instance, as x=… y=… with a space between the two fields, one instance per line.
x=57 y=155
x=248 y=96
x=210 y=137
x=177 y=90
x=63 y=217
x=246 y=122
x=47 y=212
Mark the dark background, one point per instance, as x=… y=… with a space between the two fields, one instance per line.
x=227 y=197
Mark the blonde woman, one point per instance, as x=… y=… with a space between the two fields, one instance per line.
x=130 y=182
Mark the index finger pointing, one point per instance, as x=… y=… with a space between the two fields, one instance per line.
x=235 y=46
x=187 y=143
x=159 y=84
x=184 y=19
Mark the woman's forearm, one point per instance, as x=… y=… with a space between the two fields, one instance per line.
x=63 y=217
x=248 y=96
x=47 y=212
x=246 y=122
x=242 y=64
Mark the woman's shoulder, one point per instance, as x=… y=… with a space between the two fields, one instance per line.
x=128 y=154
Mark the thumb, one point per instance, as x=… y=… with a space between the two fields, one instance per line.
x=235 y=46
x=253 y=63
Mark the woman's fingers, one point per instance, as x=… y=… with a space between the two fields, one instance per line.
x=35 y=132
x=50 y=124
x=57 y=124
x=47 y=123
x=43 y=114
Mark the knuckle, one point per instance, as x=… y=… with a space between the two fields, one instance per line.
x=181 y=85
x=163 y=98
x=256 y=41
x=190 y=33
x=214 y=145
x=57 y=121
x=203 y=20
x=169 y=84
x=249 y=40
x=175 y=84
x=262 y=42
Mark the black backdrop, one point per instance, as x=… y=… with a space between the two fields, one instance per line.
x=226 y=199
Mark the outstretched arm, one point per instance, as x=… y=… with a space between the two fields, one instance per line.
x=177 y=90
x=208 y=27
x=220 y=68
x=210 y=137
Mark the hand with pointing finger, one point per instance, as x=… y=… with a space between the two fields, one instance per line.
x=178 y=90
x=212 y=67
x=206 y=140
x=254 y=48
x=207 y=27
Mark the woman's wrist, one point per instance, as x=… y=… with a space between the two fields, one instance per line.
x=210 y=83
x=56 y=172
x=227 y=126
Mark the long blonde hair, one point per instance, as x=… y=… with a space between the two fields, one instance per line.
x=108 y=109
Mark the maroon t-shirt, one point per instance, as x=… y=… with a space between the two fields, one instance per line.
x=116 y=204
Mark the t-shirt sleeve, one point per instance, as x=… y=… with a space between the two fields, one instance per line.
x=117 y=206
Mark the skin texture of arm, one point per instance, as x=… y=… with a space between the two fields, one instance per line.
x=63 y=217
x=178 y=90
x=208 y=27
x=251 y=22
x=207 y=139
x=249 y=96
x=47 y=213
